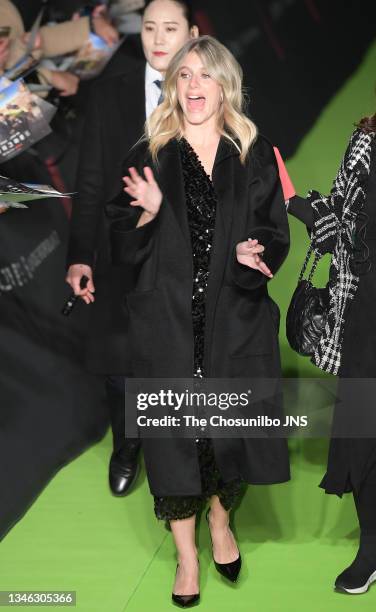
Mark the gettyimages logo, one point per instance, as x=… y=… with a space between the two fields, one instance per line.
x=215 y=407
x=188 y=399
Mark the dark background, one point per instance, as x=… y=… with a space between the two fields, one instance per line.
x=295 y=53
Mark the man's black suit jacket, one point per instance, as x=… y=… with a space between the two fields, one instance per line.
x=114 y=122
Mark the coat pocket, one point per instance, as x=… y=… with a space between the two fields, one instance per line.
x=244 y=323
x=142 y=307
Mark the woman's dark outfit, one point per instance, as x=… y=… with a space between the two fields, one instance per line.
x=201 y=209
x=223 y=325
x=352 y=461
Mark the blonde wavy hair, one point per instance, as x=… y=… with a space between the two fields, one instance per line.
x=166 y=122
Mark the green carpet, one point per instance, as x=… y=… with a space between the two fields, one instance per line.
x=293 y=538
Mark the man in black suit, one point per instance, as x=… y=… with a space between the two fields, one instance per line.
x=114 y=122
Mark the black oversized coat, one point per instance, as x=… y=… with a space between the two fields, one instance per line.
x=241 y=330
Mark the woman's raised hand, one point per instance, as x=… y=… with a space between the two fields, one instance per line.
x=248 y=254
x=144 y=191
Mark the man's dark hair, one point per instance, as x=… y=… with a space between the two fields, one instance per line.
x=186 y=7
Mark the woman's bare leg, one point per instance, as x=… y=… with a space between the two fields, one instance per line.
x=187 y=575
x=225 y=549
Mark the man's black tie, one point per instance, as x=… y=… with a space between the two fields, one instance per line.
x=159 y=85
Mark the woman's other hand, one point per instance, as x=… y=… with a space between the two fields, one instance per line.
x=248 y=254
x=145 y=193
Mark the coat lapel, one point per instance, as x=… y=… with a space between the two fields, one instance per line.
x=225 y=165
x=170 y=174
x=229 y=180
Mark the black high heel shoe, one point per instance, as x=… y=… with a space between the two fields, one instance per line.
x=227 y=570
x=185 y=601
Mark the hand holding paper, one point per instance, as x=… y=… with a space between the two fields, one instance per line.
x=13 y=193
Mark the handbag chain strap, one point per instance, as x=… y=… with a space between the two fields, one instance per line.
x=314 y=265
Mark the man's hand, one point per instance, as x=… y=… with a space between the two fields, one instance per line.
x=4 y=52
x=247 y=253
x=65 y=82
x=37 y=41
x=73 y=278
x=103 y=28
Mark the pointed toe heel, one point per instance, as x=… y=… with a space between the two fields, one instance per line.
x=185 y=601
x=231 y=570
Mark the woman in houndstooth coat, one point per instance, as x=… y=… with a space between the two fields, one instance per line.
x=344 y=224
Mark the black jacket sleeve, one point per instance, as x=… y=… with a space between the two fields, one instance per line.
x=302 y=210
x=267 y=220
x=88 y=204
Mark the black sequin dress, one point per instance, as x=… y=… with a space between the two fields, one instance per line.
x=201 y=210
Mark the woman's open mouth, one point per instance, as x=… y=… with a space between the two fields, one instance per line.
x=195 y=103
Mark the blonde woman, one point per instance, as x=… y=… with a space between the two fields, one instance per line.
x=202 y=223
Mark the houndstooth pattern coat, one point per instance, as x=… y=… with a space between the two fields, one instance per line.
x=333 y=230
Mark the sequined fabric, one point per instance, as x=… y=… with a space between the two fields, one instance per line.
x=201 y=210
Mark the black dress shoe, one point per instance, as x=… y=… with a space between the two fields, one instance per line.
x=124 y=468
x=185 y=601
x=231 y=570
x=357 y=578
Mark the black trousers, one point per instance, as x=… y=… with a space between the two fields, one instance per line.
x=115 y=388
x=365 y=503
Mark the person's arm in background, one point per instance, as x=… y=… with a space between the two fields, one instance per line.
x=10 y=17
x=70 y=36
x=54 y=40
x=87 y=205
x=4 y=52
x=66 y=83
x=296 y=206
x=323 y=214
x=301 y=209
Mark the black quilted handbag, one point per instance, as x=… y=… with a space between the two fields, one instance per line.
x=308 y=311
